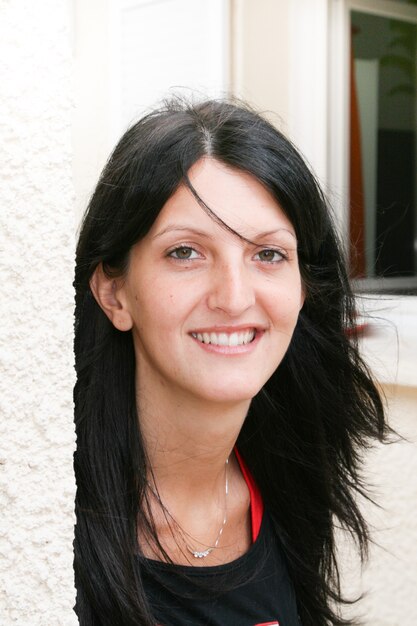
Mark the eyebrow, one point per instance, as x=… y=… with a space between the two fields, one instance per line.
x=181 y=227
x=267 y=233
x=184 y=227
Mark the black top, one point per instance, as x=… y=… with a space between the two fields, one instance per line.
x=253 y=590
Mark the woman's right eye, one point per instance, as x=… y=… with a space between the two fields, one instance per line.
x=183 y=253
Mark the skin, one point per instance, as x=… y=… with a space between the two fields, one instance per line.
x=187 y=277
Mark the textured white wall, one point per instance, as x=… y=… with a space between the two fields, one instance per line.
x=37 y=241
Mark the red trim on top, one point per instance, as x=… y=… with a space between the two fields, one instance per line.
x=256 y=503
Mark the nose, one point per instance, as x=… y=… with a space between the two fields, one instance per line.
x=231 y=290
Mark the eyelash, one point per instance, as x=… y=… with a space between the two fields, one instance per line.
x=172 y=253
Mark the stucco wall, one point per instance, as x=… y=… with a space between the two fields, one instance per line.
x=36 y=242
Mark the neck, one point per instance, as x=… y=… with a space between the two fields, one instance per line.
x=188 y=443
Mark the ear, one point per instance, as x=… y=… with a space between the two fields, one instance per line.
x=108 y=294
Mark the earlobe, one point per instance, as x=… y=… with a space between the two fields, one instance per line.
x=106 y=291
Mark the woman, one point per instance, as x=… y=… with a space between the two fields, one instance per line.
x=221 y=407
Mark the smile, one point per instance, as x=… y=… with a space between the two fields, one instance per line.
x=226 y=339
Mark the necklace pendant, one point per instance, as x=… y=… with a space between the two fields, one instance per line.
x=201 y=555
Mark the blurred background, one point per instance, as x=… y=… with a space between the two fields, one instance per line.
x=338 y=77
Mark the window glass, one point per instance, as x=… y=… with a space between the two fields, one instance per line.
x=383 y=176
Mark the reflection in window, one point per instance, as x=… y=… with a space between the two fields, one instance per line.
x=383 y=177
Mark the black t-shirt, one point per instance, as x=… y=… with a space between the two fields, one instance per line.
x=253 y=590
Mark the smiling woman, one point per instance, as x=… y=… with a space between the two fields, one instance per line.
x=194 y=291
x=220 y=407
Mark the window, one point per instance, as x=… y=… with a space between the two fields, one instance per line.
x=383 y=141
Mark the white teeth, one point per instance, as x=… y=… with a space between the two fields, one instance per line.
x=226 y=339
x=223 y=339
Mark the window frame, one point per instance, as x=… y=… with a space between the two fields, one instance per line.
x=339 y=125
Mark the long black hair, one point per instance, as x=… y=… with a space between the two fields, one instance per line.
x=306 y=430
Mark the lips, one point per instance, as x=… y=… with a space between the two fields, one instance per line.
x=230 y=339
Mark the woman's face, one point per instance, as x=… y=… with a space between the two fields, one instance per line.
x=212 y=315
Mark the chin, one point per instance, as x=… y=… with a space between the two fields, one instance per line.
x=230 y=395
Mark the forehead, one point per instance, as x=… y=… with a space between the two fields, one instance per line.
x=236 y=197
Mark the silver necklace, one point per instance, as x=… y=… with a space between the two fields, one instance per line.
x=201 y=554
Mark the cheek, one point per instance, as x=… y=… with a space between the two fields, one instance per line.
x=286 y=306
x=178 y=298
x=160 y=312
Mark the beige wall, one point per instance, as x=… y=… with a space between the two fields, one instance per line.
x=259 y=55
x=389 y=579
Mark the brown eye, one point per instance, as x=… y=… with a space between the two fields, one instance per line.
x=183 y=253
x=269 y=256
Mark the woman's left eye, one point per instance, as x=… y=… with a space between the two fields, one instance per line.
x=183 y=253
x=269 y=255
